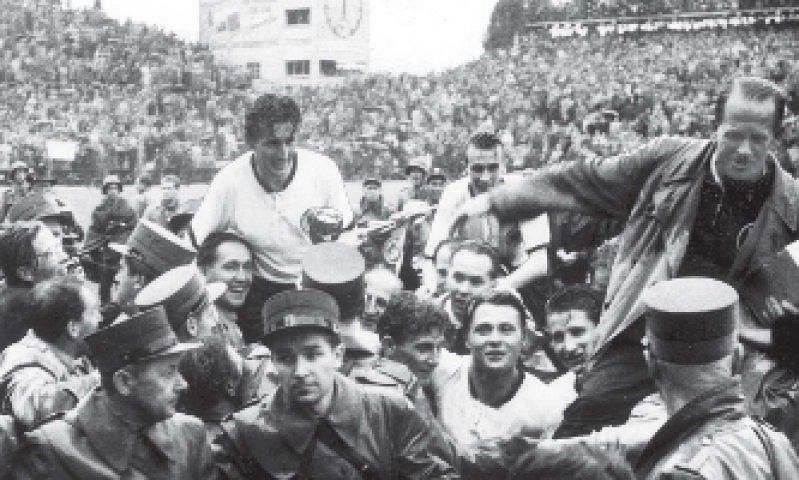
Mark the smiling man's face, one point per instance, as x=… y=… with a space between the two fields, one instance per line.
x=496 y=338
x=274 y=152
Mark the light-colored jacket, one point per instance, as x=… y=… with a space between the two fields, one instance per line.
x=35 y=383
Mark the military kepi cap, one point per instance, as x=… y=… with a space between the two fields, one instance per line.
x=691 y=320
x=301 y=308
x=155 y=249
x=182 y=291
x=337 y=269
x=144 y=336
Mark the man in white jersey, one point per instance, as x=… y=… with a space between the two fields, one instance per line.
x=262 y=197
x=486 y=397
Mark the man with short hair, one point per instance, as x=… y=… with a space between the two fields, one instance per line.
x=264 y=195
x=716 y=208
x=381 y=284
x=161 y=213
x=29 y=254
x=128 y=428
x=320 y=424
x=486 y=396
x=693 y=355
x=572 y=316
x=46 y=372
x=521 y=246
x=413 y=332
x=473 y=271
x=226 y=258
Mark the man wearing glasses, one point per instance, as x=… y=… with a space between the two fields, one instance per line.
x=262 y=197
x=715 y=208
x=522 y=245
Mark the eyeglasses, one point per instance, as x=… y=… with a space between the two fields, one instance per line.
x=479 y=168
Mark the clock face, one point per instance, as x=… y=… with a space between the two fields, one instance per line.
x=344 y=17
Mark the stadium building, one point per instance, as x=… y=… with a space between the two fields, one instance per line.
x=288 y=41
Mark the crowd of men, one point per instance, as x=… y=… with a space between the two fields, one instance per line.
x=234 y=340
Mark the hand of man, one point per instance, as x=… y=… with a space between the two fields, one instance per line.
x=779 y=308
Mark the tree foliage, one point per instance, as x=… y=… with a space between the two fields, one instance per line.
x=507 y=19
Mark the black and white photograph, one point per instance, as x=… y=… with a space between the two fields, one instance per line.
x=399 y=239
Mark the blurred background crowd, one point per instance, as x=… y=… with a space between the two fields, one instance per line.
x=112 y=97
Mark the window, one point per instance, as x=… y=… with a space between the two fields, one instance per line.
x=254 y=69
x=298 y=67
x=299 y=16
x=327 y=68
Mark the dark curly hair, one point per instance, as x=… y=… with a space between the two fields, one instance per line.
x=576 y=297
x=571 y=461
x=408 y=315
x=268 y=110
x=206 y=370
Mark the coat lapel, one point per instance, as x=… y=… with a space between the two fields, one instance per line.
x=655 y=239
x=111 y=439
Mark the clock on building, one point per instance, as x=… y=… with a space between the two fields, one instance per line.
x=344 y=17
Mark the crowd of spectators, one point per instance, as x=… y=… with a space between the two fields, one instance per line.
x=128 y=95
x=123 y=92
x=551 y=99
x=558 y=10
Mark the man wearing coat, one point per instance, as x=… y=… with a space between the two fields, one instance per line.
x=128 y=428
x=715 y=208
x=320 y=424
x=113 y=221
x=693 y=354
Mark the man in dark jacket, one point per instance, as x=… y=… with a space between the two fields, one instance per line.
x=128 y=428
x=112 y=221
x=715 y=208
x=692 y=353
x=320 y=424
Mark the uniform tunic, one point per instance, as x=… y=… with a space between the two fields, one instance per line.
x=92 y=442
x=276 y=439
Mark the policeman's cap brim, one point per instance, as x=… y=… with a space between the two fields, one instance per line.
x=760 y=338
x=176 y=349
x=272 y=338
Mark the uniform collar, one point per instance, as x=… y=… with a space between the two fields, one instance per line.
x=114 y=438
x=345 y=416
